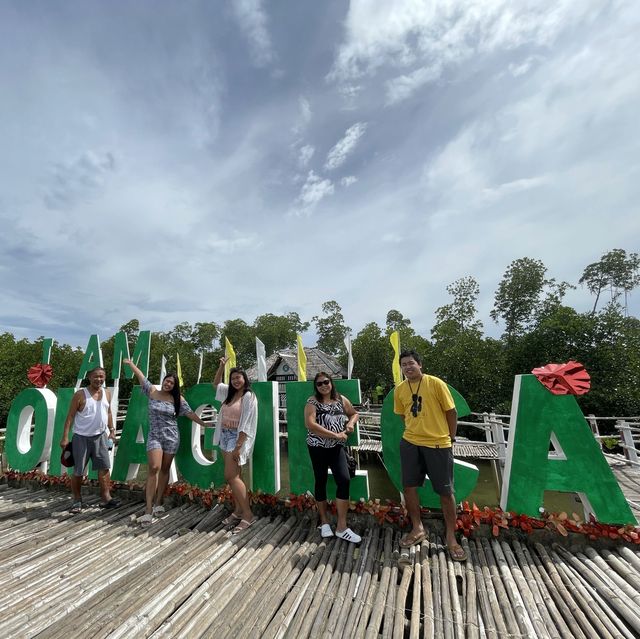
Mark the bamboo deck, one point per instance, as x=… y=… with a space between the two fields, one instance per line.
x=98 y=574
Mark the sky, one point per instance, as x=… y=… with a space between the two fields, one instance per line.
x=200 y=161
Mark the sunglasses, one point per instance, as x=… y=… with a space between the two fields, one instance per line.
x=324 y=382
x=416 y=405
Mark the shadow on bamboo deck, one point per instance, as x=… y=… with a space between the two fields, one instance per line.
x=98 y=574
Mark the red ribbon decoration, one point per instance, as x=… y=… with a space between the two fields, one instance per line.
x=40 y=374
x=564 y=379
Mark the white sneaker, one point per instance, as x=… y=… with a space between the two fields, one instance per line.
x=348 y=535
x=145 y=520
x=325 y=531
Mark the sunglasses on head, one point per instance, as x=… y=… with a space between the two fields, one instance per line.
x=416 y=405
x=323 y=382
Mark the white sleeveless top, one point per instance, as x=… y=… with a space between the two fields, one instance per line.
x=93 y=419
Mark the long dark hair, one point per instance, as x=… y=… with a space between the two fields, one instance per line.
x=318 y=395
x=175 y=391
x=232 y=391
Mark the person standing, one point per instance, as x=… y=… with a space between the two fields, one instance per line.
x=425 y=405
x=90 y=414
x=163 y=439
x=235 y=434
x=329 y=418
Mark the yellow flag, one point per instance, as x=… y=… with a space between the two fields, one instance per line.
x=302 y=361
x=179 y=371
x=394 y=338
x=230 y=354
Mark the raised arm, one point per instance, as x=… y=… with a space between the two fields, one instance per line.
x=220 y=372
x=314 y=427
x=136 y=371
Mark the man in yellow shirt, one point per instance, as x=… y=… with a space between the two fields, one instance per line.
x=425 y=405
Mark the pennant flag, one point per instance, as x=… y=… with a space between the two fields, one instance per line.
x=179 y=371
x=163 y=368
x=394 y=338
x=200 y=367
x=302 y=361
x=347 y=343
x=230 y=354
x=261 y=359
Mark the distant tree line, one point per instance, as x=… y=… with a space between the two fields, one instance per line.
x=538 y=329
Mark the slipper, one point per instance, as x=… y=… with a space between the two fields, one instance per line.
x=411 y=539
x=231 y=519
x=145 y=520
x=76 y=508
x=348 y=535
x=325 y=531
x=457 y=553
x=243 y=525
x=157 y=510
x=112 y=503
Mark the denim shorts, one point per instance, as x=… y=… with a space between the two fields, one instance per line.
x=228 y=439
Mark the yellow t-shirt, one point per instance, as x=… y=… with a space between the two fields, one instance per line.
x=429 y=427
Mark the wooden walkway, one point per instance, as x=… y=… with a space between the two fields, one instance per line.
x=98 y=574
x=628 y=477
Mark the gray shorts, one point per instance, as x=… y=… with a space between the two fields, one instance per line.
x=420 y=461
x=92 y=448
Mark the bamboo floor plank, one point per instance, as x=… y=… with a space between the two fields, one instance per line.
x=98 y=574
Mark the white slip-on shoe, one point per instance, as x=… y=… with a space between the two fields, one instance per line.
x=348 y=535
x=325 y=531
x=158 y=510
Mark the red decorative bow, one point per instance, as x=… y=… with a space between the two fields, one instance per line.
x=40 y=374
x=564 y=379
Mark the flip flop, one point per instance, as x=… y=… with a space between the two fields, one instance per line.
x=457 y=553
x=243 y=525
x=112 y=503
x=76 y=508
x=157 y=510
x=145 y=520
x=232 y=519
x=412 y=539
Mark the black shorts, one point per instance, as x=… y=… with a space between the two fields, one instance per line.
x=419 y=462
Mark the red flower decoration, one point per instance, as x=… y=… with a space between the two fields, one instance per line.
x=564 y=379
x=40 y=374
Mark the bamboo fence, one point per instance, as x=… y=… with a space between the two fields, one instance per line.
x=100 y=575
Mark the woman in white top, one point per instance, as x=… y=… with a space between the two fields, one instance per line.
x=235 y=434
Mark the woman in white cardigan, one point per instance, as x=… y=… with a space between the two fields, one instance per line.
x=236 y=434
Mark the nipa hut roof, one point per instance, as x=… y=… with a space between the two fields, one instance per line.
x=317 y=360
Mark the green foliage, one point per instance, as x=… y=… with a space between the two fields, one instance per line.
x=278 y=332
x=331 y=329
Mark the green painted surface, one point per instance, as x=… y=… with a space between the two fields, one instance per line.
x=92 y=357
x=129 y=450
x=41 y=403
x=300 y=469
x=266 y=456
x=47 y=343
x=141 y=354
x=465 y=475
x=539 y=414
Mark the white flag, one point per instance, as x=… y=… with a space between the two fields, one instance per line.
x=261 y=358
x=347 y=343
x=163 y=368
x=200 y=367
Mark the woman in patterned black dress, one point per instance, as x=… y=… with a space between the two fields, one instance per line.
x=329 y=418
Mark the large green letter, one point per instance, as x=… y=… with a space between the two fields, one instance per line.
x=38 y=404
x=140 y=354
x=538 y=418
x=92 y=358
x=64 y=396
x=465 y=475
x=132 y=450
x=300 y=469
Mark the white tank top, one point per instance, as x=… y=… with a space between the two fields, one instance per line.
x=93 y=419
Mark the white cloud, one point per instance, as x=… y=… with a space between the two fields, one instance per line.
x=424 y=38
x=305 y=155
x=348 y=180
x=253 y=21
x=313 y=191
x=338 y=154
x=229 y=245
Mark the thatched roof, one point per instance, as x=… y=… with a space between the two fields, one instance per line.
x=317 y=361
